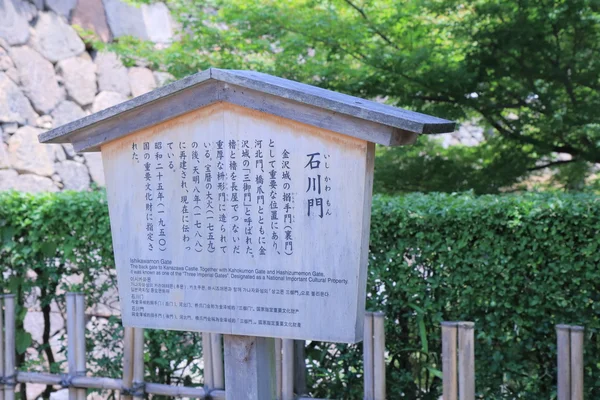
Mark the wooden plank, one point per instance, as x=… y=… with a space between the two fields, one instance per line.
x=368 y=371
x=92 y=137
x=334 y=101
x=174 y=99
x=379 y=381
x=249 y=368
x=317 y=117
x=300 y=367
x=577 y=337
x=9 y=345
x=324 y=272
x=365 y=229
x=65 y=133
x=563 y=351
x=287 y=364
x=466 y=361
x=449 y=337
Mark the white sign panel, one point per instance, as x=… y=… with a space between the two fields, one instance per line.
x=233 y=221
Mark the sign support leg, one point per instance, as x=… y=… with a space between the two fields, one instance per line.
x=249 y=368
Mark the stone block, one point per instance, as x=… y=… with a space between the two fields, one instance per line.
x=141 y=81
x=55 y=39
x=37 y=79
x=79 y=78
x=61 y=7
x=27 y=155
x=75 y=176
x=14 y=27
x=14 y=106
x=107 y=99
x=112 y=75
x=66 y=112
x=94 y=164
x=90 y=15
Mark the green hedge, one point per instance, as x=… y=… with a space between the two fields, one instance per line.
x=515 y=265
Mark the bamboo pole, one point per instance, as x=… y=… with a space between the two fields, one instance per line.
x=278 y=368
x=9 y=346
x=379 y=356
x=368 y=357
x=216 y=347
x=1 y=346
x=466 y=361
x=209 y=382
x=177 y=391
x=218 y=394
x=80 y=341
x=78 y=381
x=300 y=367
x=71 y=340
x=117 y=384
x=138 y=362
x=450 y=384
x=127 y=362
x=287 y=369
x=576 y=362
x=564 y=362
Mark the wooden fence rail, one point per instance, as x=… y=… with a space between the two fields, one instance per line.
x=290 y=362
x=458 y=361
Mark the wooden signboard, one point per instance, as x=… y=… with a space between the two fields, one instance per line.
x=236 y=221
x=240 y=203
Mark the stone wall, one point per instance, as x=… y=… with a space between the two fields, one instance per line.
x=49 y=78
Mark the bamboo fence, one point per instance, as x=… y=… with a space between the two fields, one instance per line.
x=289 y=362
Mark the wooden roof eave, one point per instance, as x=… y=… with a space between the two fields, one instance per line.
x=340 y=113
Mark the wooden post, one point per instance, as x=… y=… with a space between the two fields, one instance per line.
x=466 y=361
x=216 y=347
x=278 y=343
x=1 y=345
x=71 y=340
x=379 y=356
x=287 y=358
x=138 y=362
x=300 y=367
x=9 y=346
x=576 y=362
x=127 y=361
x=209 y=383
x=368 y=357
x=450 y=385
x=564 y=362
x=249 y=368
x=80 y=341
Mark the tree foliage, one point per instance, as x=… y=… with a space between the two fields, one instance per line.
x=528 y=69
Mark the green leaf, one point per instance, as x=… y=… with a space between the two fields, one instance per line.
x=22 y=341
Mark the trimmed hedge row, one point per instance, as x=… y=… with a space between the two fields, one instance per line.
x=516 y=265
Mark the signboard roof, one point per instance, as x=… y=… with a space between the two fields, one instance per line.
x=349 y=115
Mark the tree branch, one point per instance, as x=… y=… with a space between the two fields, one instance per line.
x=550 y=164
x=371 y=25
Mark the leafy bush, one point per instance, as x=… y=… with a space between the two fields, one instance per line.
x=515 y=265
x=57 y=242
